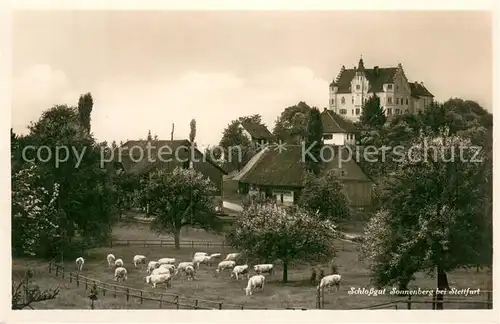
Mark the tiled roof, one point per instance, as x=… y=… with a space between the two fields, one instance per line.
x=161 y=152
x=377 y=79
x=334 y=123
x=419 y=90
x=257 y=131
x=286 y=168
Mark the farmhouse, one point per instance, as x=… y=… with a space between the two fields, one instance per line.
x=337 y=130
x=279 y=173
x=168 y=155
x=258 y=134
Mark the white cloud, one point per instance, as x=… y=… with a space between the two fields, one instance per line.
x=127 y=109
x=36 y=89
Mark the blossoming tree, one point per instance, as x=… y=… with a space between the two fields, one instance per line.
x=271 y=233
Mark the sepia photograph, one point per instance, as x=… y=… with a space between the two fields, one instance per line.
x=251 y=160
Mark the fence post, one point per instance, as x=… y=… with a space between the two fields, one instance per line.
x=196 y=304
x=161 y=243
x=433 y=300
x=318 y=299
x=86 y=283
x=220 y=305
x=177 y=301
x=242 y=307
x=192 y=244
x=161 y=300
x=50 y=266
x=77 y=280
x=490 y=303
x=104 y=289
x=409 y=302
x=322 y=298
x=115 y=291
x=70 y=277
x=57 y=270
x=141 y=296
x=63 y=274
x=128 y=294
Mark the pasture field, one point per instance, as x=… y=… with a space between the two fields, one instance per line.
x=298 y=292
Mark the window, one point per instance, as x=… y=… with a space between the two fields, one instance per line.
x=343 y=173
x=352 y=99
x=397 y=87
x=352 y=111
x=397 y=101
x=398 y=111
x=342 y=100
x=389 y=100
x=328 y=136
x=358 y=87
x=357 y=111
x=389 y=86
x=389 y=111
x=343 y=111
x=407 y=101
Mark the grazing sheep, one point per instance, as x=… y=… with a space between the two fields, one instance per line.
x=139 y=259
x=79 y=263
x=253 y=283
x=120 y=274
x=152 y=265
x=199 y=253
x=329 y=281
x=225 y=265
x=190 y=272
x=182 y=267
x=160 y=270
x=215 y=256
x=264 y=268
x=169 y=267
x=232 y=257
x=111 y=260
x=155 y=279
x=201 y=259
x=240 y=270
x=119 y=263
x=166 y=261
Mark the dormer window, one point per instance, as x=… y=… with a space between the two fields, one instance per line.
x=389 y=86
x=342 y=100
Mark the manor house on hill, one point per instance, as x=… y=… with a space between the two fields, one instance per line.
x=353 y=87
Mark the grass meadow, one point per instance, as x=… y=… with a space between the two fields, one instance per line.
x=210 y=290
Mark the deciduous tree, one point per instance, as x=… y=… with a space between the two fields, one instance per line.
x=272 y=233
x=314 y=142
x=372 y=113
x=291 y=126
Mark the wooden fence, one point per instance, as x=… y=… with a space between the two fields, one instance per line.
x=164 y=300
x=170 y=242
x=483 y=300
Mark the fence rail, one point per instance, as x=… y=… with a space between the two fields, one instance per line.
x=164 y=300
x=170 y=242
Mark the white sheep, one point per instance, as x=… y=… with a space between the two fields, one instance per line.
x=182 y=266
x=139 y=259
x=166 y=261
x=152 y=265
x=215 y=256
x=190 y=272
x=201 y=259
x=329 y=281
x=225 y=265
x=253 y=283
x=169 y=267
x=119 y=263
x=120 y=274
x=200 y=253
x=263 y=268
x=155 y=279
x=160 y=270
x=79 y=263
x=111 y=260
x=232 y=257
x=240 y=270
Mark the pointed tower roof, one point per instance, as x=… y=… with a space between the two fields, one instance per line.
x=361 y=66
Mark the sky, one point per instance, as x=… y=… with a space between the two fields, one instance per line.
x=147 y=70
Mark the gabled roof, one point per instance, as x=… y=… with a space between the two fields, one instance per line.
x=334 y=123
x=419 y=90
x=286 y=168
x=135 y=158
x=257 y=131
x=377 y=78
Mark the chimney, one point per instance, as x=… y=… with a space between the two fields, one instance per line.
x=375 y=70
x=324 y=109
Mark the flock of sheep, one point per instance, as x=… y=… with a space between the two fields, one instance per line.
x=163 y=270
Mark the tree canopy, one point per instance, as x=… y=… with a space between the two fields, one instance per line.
x=314 y=142
x=291 y=126
x=238 y=149
x=272 y=233
x=372 y=113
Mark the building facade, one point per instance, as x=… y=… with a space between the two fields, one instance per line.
x=352 y=88
x=337 y=130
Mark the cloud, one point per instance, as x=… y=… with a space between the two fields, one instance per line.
x=125 y=108
x=36 y=89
